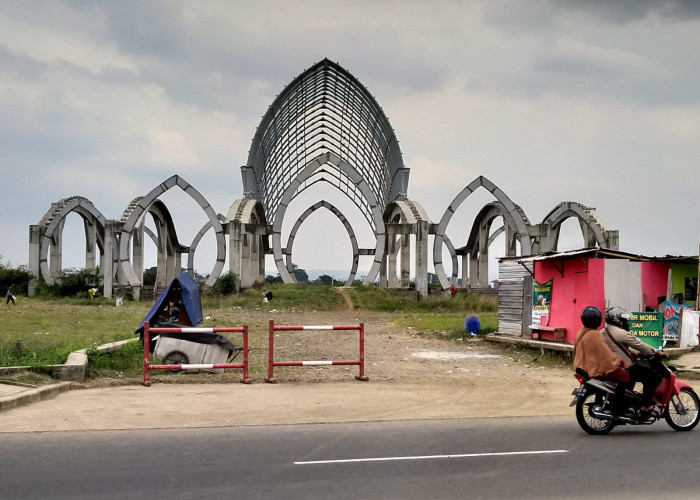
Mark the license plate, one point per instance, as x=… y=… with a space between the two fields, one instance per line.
x=577 y=393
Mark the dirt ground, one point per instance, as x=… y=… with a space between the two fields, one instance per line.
x=394 y=354
x=412 y=375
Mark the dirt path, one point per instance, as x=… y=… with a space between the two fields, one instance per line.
x=343 y=293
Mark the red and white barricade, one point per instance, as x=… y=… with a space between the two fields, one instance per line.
x=271 y=363
x=147 y=366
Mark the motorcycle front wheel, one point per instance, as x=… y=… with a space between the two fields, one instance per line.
x=683 y=411
x=585 y=418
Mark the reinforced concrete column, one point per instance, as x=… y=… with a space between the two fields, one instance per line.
x=90 y=244
x=483 y=262
x=234 y=251
x=35 y=235
x=422 y=233
x=162 y=257
x=246 y=277
x=405 y=260
x=254 y=257
x=137 y=252
x=108 y=261
x=473 y=269
x=261 y=259
x=510 y=242
x=465 y=264
x=56 y=252
x=174 y=262
x=383 y=282
x=391 y=261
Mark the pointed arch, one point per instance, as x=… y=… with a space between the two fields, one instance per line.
x=348 y=227
x=51 y=225
x=292 y=191
x=135 y=218
x=513 y=217
x=592 y=230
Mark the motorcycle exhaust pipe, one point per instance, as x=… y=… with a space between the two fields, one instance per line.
x=607 y=416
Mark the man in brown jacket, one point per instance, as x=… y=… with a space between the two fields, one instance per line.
x=593 y=355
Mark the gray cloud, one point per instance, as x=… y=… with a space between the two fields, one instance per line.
x=627 y=11
x=553 y=101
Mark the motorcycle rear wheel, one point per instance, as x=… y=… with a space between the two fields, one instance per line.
x=683 y=411
x=589 y=423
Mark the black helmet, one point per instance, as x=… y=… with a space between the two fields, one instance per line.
x=618 y=316
x=591 y=317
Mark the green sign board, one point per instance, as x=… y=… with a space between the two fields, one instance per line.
x=648 y=327
x=541 y=298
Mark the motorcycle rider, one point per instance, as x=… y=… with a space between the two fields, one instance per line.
x=620 y=340
x=594 y=357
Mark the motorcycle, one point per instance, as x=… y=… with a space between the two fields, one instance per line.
x=673 y=400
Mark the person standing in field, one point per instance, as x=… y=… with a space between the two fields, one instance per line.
x=9 y=296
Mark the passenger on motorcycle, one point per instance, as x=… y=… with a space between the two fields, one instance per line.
x=593 y=356
x=623 y=344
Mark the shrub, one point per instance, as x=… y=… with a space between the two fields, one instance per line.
x=225 y=284
x=18 y=278
x=72 y=283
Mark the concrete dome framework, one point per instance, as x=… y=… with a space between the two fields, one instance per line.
x=324 y=128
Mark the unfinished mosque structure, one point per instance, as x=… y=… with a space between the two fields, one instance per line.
x=324 y=127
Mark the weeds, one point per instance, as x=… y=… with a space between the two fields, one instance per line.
x=284 y=297
x=373 y=298
x=450 y=326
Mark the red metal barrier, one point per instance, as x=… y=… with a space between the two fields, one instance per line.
x=147 y=367
x=271 y=363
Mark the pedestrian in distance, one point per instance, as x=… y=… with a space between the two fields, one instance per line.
x=9 y=296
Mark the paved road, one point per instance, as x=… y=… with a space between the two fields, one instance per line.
x=524 y=458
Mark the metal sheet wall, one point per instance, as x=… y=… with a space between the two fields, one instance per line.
x=514 y=286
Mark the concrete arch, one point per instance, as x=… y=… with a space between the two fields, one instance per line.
x=346 y=224
x=51 y=226
x=135 y=218
x=592 y=230
x=513 y=217
x=291 y=192
x=405 y=218
x=480 y=239
x=166 y=241
x=248 y=241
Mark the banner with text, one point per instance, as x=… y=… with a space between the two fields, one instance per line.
x=541 y=298
x=672 y=320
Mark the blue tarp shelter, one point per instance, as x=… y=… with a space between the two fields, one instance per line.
x=184 y=290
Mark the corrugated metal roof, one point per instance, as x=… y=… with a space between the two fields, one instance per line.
x=602 y=252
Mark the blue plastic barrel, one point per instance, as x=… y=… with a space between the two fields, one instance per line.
x=472 y=324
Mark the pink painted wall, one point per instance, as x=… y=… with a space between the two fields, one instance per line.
x=654 y=281
x=581 y=285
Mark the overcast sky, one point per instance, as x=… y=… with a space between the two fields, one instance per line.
x=596 y=102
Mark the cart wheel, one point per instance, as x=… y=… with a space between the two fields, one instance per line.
x=175 y=358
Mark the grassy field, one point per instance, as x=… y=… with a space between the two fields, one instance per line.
x=39 y=332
